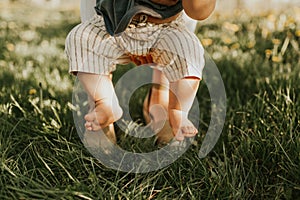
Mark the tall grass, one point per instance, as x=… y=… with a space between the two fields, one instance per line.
x=257 y=156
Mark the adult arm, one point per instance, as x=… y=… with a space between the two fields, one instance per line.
x=190 y=23
x=87 y=10
x=198 y=9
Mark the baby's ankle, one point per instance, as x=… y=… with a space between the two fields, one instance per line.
x=174 y=111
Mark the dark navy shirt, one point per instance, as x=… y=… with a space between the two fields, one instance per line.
x=117 y=14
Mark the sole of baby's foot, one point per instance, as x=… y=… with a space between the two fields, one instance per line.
x=181 y=126
x=102 y=115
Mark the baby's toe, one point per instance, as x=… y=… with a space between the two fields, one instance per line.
x=88 y=127
x=89 y=117
x=189 y=131
x=193 y=131
x=96 y=127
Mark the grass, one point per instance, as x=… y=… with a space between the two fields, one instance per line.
x=257 y=156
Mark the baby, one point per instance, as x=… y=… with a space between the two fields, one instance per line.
x=148 y=29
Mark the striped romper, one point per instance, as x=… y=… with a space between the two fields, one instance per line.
x=175 y=50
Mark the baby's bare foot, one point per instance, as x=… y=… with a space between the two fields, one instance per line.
x=181 y=125
x=102 y=115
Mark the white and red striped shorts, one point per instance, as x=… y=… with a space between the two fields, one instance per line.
x=175 y=50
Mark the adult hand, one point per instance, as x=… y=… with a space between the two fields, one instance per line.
x=141 y=60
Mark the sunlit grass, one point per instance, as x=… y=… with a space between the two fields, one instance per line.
x=257 y=156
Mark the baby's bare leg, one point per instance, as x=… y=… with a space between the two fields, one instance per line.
x=182 y=94
x=159 y=100
x=100 y=90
